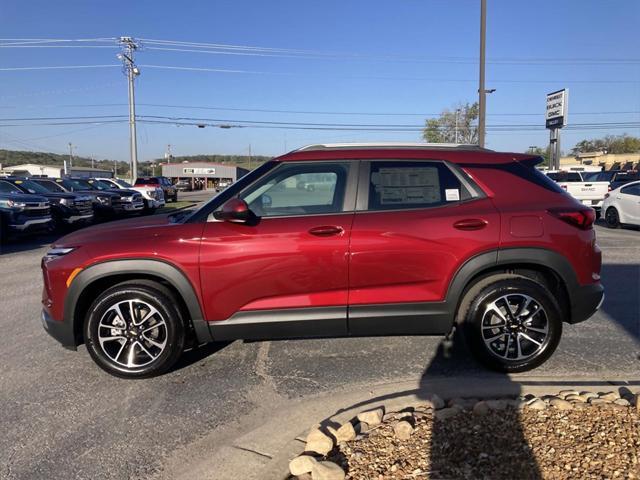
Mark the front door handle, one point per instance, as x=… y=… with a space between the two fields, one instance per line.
x=326 y=230
x=470 y=224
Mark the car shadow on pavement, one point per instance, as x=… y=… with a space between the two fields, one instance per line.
x=465 y=443
x=622 y=296
x=28 y=242
x=197 y=354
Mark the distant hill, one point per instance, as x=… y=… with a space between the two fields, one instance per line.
x=19 y=157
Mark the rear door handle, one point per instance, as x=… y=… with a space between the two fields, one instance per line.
x=326 y=230
x=470 y=224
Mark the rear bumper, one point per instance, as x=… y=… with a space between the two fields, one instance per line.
x=61 y=331
x=585 y=301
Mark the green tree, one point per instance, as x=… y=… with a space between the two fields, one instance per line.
x=611 y=144
x=542 y=152
x=443 y=129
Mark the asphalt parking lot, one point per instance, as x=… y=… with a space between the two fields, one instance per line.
x=62 y=417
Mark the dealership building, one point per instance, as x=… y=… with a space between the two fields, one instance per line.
x=55 y=171
x=203 y=175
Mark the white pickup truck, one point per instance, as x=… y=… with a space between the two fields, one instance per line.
x=589 y=193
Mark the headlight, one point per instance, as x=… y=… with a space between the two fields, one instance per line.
x=12 y=204
x=57 y=252
x=67 y=201
x=104 y=200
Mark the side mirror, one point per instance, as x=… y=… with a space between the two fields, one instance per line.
x=235 y=211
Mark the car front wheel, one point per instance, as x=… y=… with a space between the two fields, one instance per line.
x=512 y=324
x=133 y=330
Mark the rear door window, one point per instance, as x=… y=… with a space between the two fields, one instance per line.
x=397 y=185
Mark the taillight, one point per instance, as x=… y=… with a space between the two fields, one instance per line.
x=582 y=218
x=608 y=188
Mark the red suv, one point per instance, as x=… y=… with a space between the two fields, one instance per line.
x=337 y=240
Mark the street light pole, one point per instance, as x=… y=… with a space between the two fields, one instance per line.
x=482 y=93
x=457 y=112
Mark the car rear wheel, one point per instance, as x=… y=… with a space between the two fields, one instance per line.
x=133 y=330
x=512 y=324
x=612 y=218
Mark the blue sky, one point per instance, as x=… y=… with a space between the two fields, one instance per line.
x=410 y=56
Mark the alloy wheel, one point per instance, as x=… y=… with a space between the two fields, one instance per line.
x=514 y=327
x=132 y=333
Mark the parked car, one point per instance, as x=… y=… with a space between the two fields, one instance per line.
x=622 y=205
x=67 y=209
x=21 y=212
x=183 y=186
x=153 y=197
x=616 y=178
x=106 y=203
x=170 y=191
x=588 y=192
x=410 y=240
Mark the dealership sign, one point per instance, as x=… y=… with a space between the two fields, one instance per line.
x=557 y=106
x=199 y=171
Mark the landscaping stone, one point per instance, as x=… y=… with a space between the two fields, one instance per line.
x=537 y=404
x=345 y=433
x=446 y=413
x=437 y=402
x=560 y=404
x=481 y=408
x=609 y=396
x=318 y=442
x=302 y=464
x=403 y=430
x=497 y=404
x=327 y=471
x=622 y=401
x=371 y=417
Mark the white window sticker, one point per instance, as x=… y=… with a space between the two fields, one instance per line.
x=452 y=194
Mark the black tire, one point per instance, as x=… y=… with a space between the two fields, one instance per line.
x=170 y=334
x=485 y=335
x=175 y=197
x=612 y=218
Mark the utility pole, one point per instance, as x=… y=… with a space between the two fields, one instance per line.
x=482 y=93
x=249 y=156
x=129 y=46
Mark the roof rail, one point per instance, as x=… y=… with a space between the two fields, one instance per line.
x=390 y=145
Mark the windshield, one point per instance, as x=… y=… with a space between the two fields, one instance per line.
x=50 y=186
x=77 y=184
x=122 y=183
x=31 y=186
x=101 y=185
x=7 y=187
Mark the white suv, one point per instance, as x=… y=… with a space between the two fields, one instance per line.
x=153 y=196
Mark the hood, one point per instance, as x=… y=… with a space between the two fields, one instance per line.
x=58 y=196
x=24 y=197
x=139 y=227
x=126 y=192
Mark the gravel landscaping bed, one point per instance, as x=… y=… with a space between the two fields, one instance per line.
x=569 y=435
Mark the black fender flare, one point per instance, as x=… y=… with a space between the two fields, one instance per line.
x=153 y=267
x=489 y=260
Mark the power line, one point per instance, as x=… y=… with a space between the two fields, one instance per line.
x=55 y=67
x=304 y=112
x=374 y=77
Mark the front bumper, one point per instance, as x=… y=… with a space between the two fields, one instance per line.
x=585 y=301
x=33 y=223
x=78 y=218
x=61 y=331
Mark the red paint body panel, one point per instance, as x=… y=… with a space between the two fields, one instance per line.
x=410 y=256
x=275 y=264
